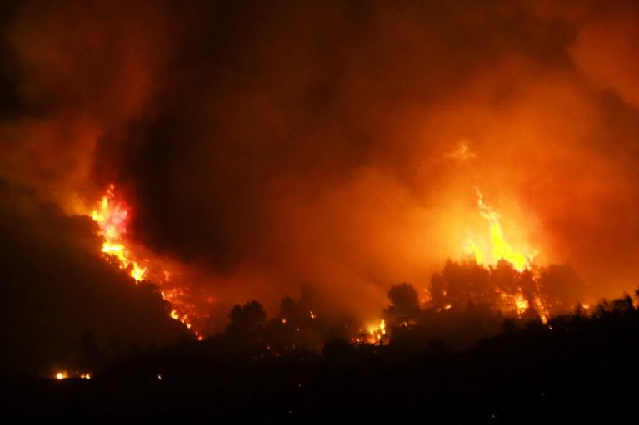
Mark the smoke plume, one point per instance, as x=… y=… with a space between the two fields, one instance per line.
x=268 y=145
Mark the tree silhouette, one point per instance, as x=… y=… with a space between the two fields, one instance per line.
x=404 y=303
x=290 y=311
x=248 y=318
x=561 y=285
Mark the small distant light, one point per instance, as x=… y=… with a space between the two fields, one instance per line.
x=59 y=375
x=283 y=321
x=159 y=376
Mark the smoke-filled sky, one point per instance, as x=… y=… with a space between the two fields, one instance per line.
x=272 y=144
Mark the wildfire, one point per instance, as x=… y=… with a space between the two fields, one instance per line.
x=517 y=302
x=491 y=255
x=373 y=335
x=500 y=249
x=112 y=215
x=377 y=332
x=543 y=310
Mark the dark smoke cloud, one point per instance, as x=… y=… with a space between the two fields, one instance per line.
x=78 y=71
x=271 y=144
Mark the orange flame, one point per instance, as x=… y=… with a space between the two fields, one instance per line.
x=112 y=217
x=376 y=333
x=500 y=249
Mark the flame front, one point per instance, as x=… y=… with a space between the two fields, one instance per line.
x=112 y=215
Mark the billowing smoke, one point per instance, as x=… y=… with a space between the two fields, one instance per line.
x=337 y=144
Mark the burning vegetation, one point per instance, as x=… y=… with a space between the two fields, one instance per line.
x=112 y=217
x=351 y=193
x=494 y=280
x=348 y=169
x=462 y=303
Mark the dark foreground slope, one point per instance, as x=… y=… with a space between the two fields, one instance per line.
x=576 y=369
x=60 y=298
